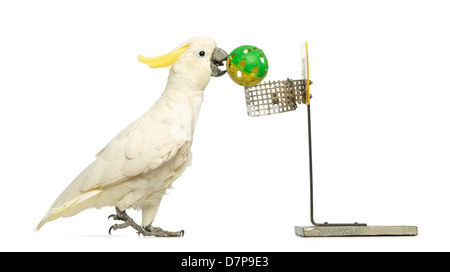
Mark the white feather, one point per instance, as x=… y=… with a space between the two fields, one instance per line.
x=139 y=164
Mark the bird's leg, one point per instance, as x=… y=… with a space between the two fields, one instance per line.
x=145 y=231
x=120 y=215
x=128 y=222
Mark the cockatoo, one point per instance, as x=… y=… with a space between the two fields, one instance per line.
x=140 y=163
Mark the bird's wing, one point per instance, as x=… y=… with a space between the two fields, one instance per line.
x=144 y=144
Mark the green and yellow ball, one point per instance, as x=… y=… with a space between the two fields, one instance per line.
x=247 y=65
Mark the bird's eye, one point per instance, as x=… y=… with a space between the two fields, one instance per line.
x=201 y=53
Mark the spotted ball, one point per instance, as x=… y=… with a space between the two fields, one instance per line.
x=247 y=65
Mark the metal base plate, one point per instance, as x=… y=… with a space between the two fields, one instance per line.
x=342 y=231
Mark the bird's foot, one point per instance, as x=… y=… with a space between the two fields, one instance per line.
x=120 y=215
x=145 y=231
x=159 y=232
x=128 y=221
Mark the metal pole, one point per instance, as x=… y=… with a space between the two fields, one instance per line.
x=311 y=194
x=311 y=189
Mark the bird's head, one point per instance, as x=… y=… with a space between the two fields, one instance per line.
x=198 y=58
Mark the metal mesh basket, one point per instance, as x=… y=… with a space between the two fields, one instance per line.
x=274 y=97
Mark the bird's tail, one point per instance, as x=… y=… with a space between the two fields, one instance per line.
x=67 y=208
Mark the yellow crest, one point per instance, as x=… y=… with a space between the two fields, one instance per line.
x=163 y=60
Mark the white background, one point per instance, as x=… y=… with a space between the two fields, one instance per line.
x=69 y=81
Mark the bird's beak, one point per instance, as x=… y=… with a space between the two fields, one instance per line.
x=217 y=59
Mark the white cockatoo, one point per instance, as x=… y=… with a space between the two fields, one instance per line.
x=140 y=163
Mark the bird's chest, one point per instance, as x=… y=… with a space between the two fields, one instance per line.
x=184 y=119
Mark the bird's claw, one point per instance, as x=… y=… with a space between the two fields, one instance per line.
x=145 y=231
x=115 y=217
x=159 y=232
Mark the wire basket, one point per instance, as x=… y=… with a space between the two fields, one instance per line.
x=273 y=97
